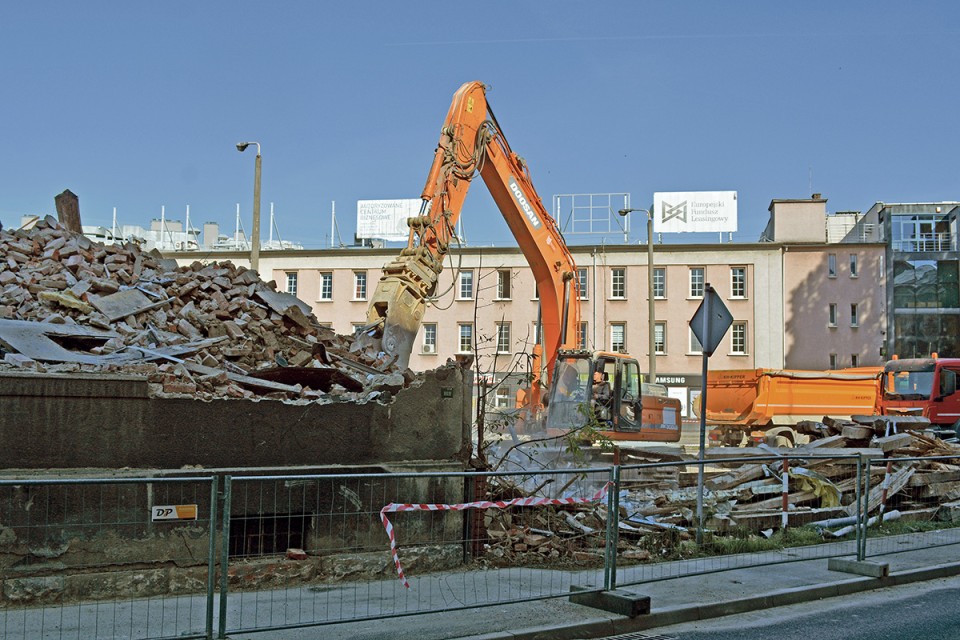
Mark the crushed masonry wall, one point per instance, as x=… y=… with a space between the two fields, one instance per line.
x=71 y=421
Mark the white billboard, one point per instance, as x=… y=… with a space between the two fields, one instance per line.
x=676 y=212
x=386 y=219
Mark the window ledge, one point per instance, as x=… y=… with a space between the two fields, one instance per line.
x=612 y=299
x=464 y=299
x=355 y=300
x=325 y=300
x=738 y=355
x=501 y=299
x=694 y=297
x=428 y=353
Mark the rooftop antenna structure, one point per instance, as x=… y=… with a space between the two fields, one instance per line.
x=334 y=229
x=238 y=229
x=163 y=229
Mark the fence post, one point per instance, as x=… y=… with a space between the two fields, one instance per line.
x=212 y=554
x=613 y=531
x=224 y=557
x=859 y=499
x=865 y=518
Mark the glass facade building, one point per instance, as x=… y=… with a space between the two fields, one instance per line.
x=923 y=269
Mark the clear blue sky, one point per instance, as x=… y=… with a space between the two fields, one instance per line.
x=136 y=105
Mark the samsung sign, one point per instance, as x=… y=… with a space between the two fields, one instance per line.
x=695 y=211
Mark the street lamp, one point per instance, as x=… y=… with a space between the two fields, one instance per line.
x=652 y=366
x=255 y=241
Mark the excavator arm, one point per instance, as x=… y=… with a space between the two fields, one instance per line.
x=472 y=142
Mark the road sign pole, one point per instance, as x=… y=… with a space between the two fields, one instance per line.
x=707 y=315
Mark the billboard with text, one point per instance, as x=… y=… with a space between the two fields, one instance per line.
x=386 y=219
x=694 y=211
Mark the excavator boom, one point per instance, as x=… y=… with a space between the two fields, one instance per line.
x=472 y=142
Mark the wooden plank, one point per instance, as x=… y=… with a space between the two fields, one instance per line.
x=892 y=443
x=795 y=498
x=830 y=442
x=924 y=478
x=856 y=432
x=772 y=518
x=735 y=478
x=898 y=481
x=722 y=453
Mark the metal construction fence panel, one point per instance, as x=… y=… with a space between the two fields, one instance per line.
x=138 y=557
x=320 y=549
x=908 y=496
x=107 y=558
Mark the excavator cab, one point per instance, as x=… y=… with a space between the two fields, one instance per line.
x=607 y=390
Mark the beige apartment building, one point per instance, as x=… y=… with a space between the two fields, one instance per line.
x=797 y=300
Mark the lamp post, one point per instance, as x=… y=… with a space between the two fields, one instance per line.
x=255 y=240
x=652 y=366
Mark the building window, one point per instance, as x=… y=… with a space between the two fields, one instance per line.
x=738 y=282
x=660 y=338
x=738 y=339
x=326 y=285
x=465 y=336
x=536 y=290
x=503 y=337
x=618 y=283
x=503 y=284
x=833 y=315
x=854 y=268
x=292 y=283
x=854 y=315
x=618 y=337
x=430 y=338
x=695 y=346
x=501 y=397
x=582 y=336
x=535 y=334
x=854 y=360
x=832 y=265
x=696 y=282
x=582 y=283
x=659 y=283
x=834 y=364
x=465 y=289
x=357 y=326
x=359 y=285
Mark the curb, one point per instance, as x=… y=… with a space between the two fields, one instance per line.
x=689 y=613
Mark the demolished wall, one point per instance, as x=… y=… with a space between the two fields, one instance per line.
x=113 y=357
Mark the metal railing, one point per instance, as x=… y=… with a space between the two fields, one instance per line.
x=91 y=558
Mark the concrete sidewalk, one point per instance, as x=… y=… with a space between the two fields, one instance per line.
x=673 y=601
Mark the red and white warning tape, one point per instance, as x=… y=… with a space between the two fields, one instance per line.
x=500 y=504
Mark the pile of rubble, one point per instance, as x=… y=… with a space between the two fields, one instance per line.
x=744 y=492
x=210 y=330
x=822 y=479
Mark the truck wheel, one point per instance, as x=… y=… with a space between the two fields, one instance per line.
x=781 y=437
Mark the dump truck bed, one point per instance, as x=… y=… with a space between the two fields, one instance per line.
x=761 y=397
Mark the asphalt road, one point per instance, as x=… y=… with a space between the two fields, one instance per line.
x=921 y=611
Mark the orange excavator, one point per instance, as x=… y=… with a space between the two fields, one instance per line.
x=471 y=142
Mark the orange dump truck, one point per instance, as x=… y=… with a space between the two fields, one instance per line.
x=758 y=403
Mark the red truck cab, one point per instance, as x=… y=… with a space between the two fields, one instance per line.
x=924 y=387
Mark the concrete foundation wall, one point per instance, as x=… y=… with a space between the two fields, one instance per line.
x=70 y=421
